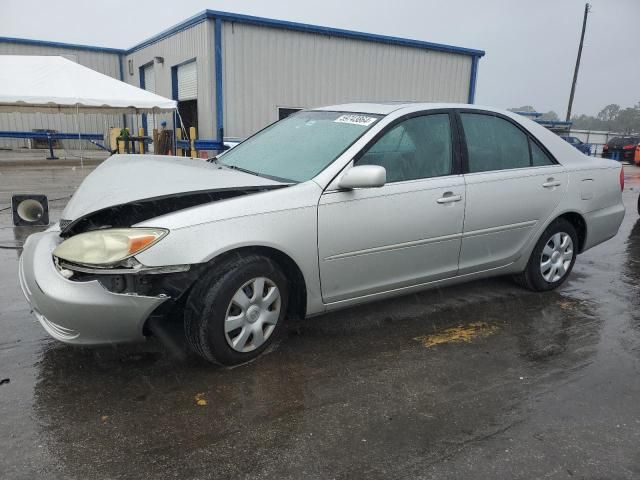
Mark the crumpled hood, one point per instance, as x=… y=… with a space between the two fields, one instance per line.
x=122 y=179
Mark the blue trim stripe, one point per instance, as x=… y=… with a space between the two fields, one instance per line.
x=302 y=27
x=121 y=67
x=53 y=136
x=251 y=20
x=337 y=32
x=45 y=43
x=473 y=79
x=193 y=59
x=174 y=82
x=218 y=77
x=202 y=145
x=184 y=25
x=141 y=75
x=142 y=86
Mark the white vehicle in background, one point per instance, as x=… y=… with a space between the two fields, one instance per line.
x=328 y=208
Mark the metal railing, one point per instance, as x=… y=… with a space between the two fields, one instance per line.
x=51 y=136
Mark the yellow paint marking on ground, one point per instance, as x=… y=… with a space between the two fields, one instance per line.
x=200 y=400
x=570 y=304
x=459 y=334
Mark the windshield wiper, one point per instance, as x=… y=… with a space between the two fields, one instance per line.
x=244 y=170
x=262 y=175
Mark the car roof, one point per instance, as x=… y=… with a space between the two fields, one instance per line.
x=385 y=108
x=558 y=147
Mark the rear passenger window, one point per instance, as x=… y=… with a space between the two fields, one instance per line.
x=494 y=143
x=419 y=147
x=538 y=157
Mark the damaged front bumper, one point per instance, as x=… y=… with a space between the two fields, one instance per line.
x=79 y=312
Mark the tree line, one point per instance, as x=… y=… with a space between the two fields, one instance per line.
x=612 y=118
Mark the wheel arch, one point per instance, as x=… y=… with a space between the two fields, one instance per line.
x=297 y=296
x=580 y=225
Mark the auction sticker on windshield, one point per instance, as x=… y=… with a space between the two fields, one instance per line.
x=355 y=119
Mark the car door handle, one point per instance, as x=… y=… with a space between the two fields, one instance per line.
x=449 y=197
x=551 y=183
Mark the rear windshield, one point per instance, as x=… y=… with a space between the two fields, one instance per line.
x=299 y=147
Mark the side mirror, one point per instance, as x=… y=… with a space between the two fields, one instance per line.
x=363 y=176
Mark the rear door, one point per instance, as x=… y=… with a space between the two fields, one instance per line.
x=513 y=185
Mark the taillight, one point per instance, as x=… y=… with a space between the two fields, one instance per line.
x=606 y=147
x=621 y=179
x=628 y=147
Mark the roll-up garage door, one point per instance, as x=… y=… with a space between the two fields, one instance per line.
x=187 y=82
x=149 y=79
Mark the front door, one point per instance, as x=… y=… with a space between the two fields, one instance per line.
x=405 y=233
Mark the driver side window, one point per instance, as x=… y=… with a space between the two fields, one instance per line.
x=419 y=147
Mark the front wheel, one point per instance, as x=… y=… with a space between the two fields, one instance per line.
x=234 y=313
x=552 y=258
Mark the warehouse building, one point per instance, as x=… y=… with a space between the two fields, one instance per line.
x=234 y=74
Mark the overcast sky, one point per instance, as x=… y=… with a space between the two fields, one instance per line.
x=530 y=45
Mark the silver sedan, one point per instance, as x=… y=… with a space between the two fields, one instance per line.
x=328 y=208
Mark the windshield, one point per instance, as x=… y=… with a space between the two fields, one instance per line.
x=300 y=146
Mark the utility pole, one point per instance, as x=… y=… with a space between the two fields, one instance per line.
x=587 y=7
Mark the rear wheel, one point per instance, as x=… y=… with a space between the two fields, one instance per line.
x=552 y=258
x=234 y=313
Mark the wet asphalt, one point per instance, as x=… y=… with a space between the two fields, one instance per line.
x=478 y=381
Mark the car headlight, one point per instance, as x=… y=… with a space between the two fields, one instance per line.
x=109 y=246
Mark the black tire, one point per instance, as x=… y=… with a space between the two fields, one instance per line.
x=532 y=277
x=210 y=298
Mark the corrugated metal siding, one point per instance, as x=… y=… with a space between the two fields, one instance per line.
x=107 y=63
x=195 y=42
x=265 y=68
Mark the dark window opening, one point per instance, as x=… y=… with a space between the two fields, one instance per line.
x=494 y=143
x=419 y=147
x=285 y=112
x=188 y=110
x=538 y=157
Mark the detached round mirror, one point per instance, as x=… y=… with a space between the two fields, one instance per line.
x=363 y=176
x=30 y=209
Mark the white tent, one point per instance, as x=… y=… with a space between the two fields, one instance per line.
x=52 y=84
